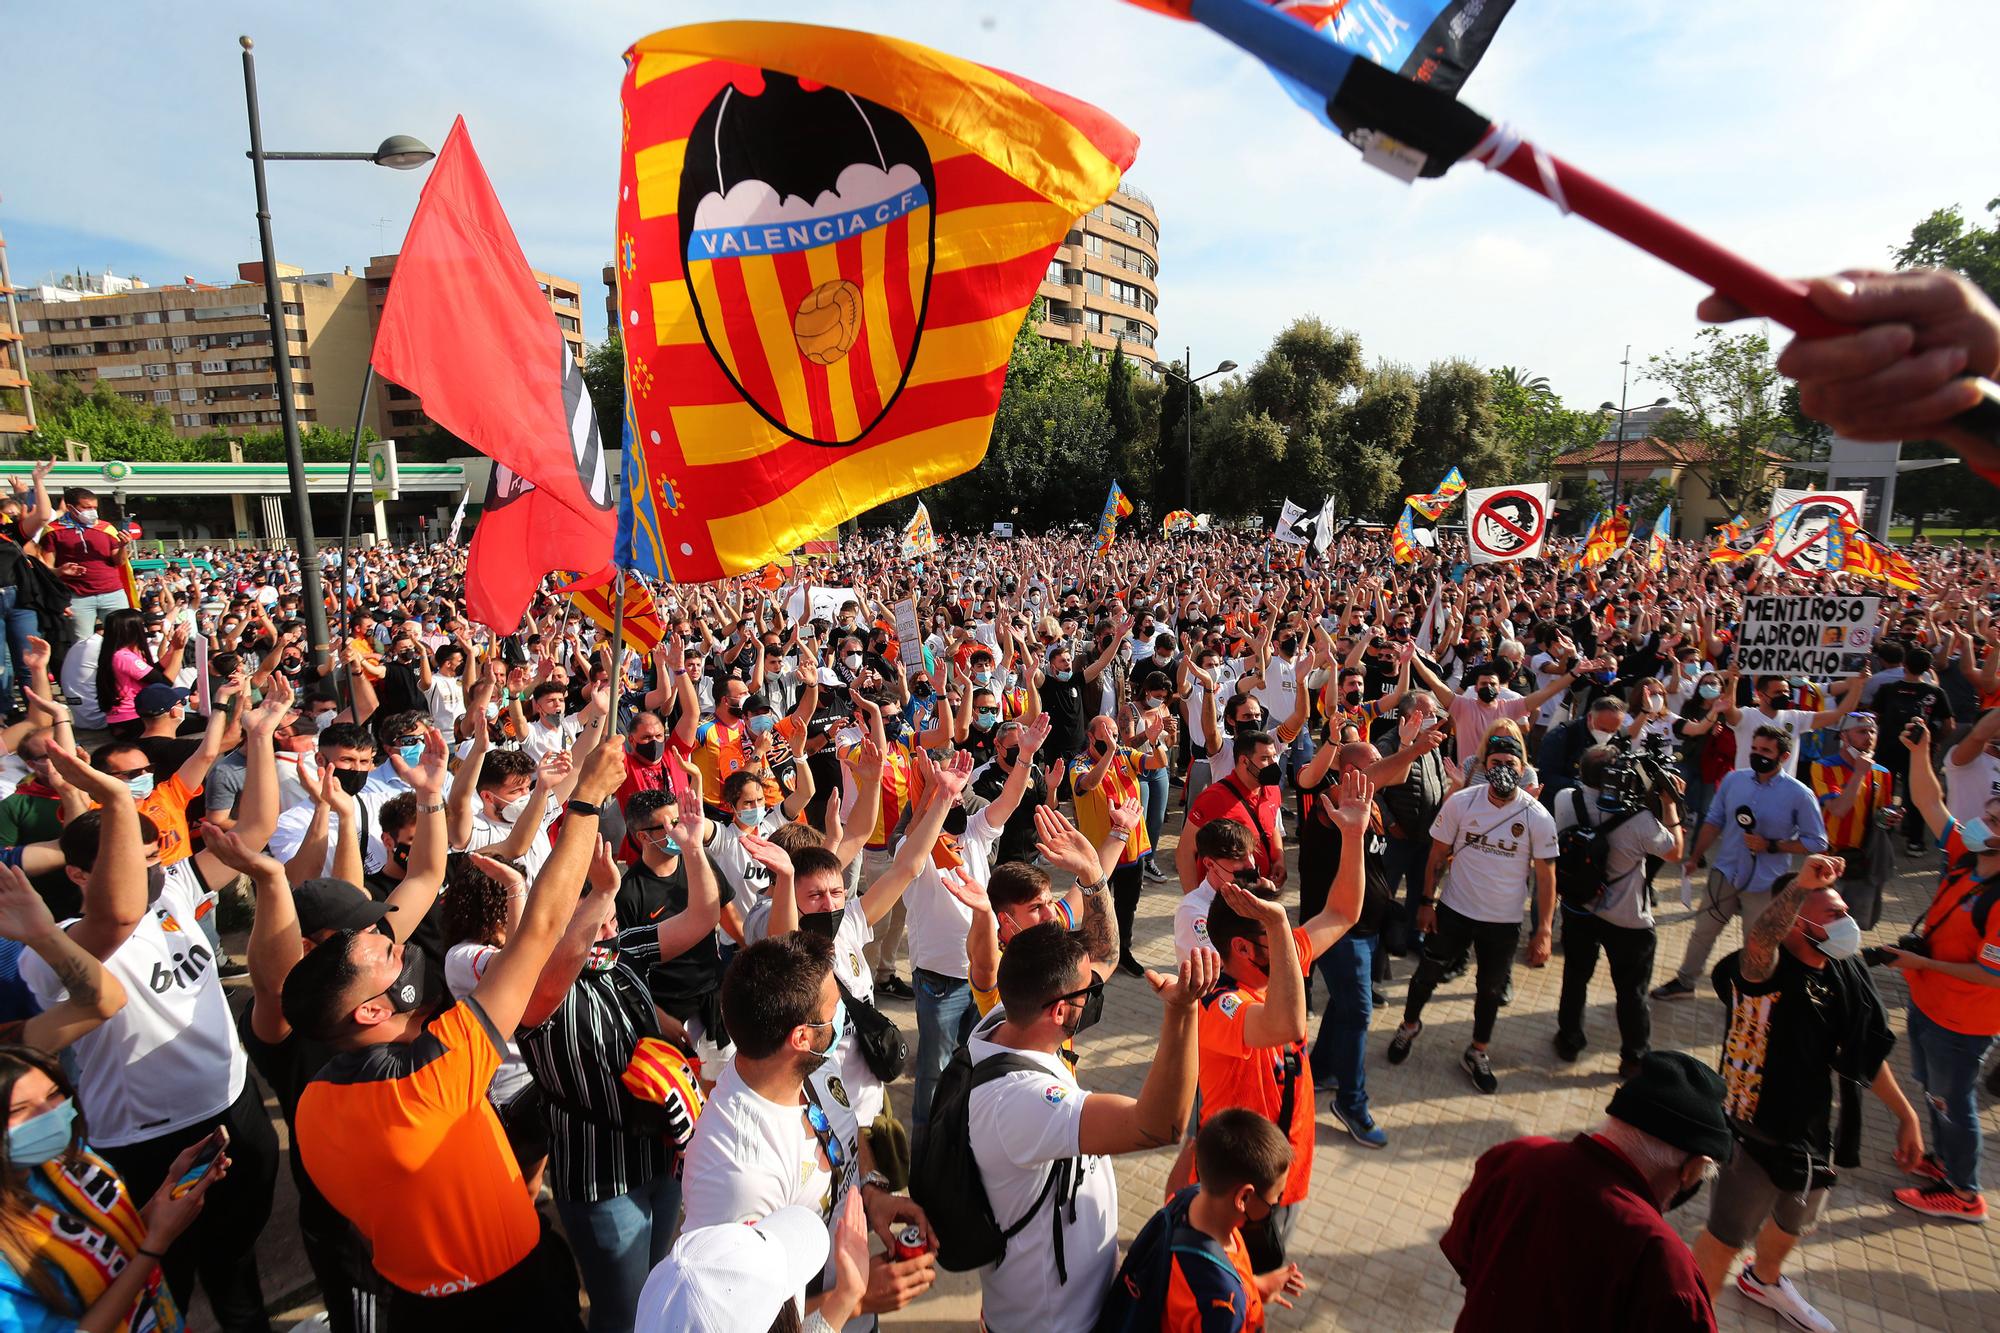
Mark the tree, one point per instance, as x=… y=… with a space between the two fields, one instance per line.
x=1646 y=499
x=1118 y=406
x=1170 y=475
x=1516 y=380
x=1582 y=500
x=1944 y=240
x=1454 y=428
x=1534 y=428
x=604 y=380
x=1731 y=408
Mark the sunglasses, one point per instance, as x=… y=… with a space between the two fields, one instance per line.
x=822 y=1128
x=1095 y=988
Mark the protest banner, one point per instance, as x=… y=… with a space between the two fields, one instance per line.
x=909 y=639
x=1821 y=638
x=818 y=603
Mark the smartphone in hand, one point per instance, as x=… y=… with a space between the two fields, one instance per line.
x=203 y=1163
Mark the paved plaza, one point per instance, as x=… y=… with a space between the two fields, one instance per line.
x=1368 y=1238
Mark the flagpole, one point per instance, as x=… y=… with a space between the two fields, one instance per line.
x=617 y=662
x=347 y=521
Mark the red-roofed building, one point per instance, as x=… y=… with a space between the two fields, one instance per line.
x=1684 y=464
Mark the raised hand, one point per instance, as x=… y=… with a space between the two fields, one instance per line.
x=1261 y=905
x=1033 y=734
x=66 y=764
x=605 y=872
x=555 y=766
x=36 y=656
x=1062 y=844
x=23 y=915
x=1198 y=975
x=427 y=777
x=1356 y=803
x=766 y=853
x=1125 y=815
x=953 y=774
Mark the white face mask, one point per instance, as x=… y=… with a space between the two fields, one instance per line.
x=87 y=517
x=1601 y=737
x=512 y=810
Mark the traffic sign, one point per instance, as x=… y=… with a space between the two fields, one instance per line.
x=1507 y=523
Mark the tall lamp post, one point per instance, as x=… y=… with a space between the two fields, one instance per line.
x=1187 y=417
x=1618 y=454
x=400 y=152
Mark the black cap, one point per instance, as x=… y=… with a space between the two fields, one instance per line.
x=755 y=703
x=325 y=903
x=1678 y=1100
x=1505 y=744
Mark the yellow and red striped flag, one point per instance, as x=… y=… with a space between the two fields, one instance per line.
x=826 y=243
x=1433 y=504
x=598 y=603
x=1403 y=539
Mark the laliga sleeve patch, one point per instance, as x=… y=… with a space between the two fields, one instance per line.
x=1989 y=956
x=1229 y=1004
x=1054 y=1094
x=1201 y=927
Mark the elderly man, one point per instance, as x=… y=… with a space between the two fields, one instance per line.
x=1600 y=1200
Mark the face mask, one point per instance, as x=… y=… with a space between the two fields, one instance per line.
x=1684 y=1194
x=1010 y=755
x=141 y=785
x=954 y=821
x=412 y=754
x=819 y=923
x=1064 y=675
x=923 y=691
x=1488 y=693
x=1709 y=691
x=1249 y=724
x=1763 y=763
x=982 y=678
x=1843 y=938
x=42 y=1138
x=1503 y=781
x=1601 y=737
x=1782 y=699
x=1975 y=834
x=763 y=724
x=853 y=661
x=751 y=818
x=986 y=721
x=1352 y=697
x=1086 y=1013
x=649 y=752
x=351 y=780
x=833 y=1032
x=1099 y=748
x=1426 y=722
x=400 y=853
x=512 y=810
x=1269 y=776
x=87 y=517
x=407 y=990
x=1155 y=700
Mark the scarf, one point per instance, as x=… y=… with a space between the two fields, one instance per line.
x=92 y=1235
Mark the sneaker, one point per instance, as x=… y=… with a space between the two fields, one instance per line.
x=1569 y=1047
x=1673 y=990
x=1783 y=1297
x=231 y=969
x=1154 y=873
x=894 y=987
x=1399 y=1045
x=1479 y=1069
x=1941 y=1200
x=1378 y=999
x=1131 y=966
x=1361 y=1125
x=1929 y=1169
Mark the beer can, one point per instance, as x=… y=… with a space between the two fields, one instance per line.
x=909 y=1242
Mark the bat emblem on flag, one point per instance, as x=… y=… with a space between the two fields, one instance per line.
x=808 y=233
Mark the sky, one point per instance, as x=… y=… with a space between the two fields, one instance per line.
x=1808 y=136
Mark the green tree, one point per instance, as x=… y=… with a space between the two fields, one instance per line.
x=604 y=380
x=68 y=407
x=1170 y=454
x=1582 y=500
x=1533 y=426
x=1946 y=240
x=1454 y=428
x=1647 y=498
x=1124 y=415
x=1731 y=407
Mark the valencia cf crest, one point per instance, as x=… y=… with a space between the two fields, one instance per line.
x=807 y=227
x=1518 y=829
x=838 y=1089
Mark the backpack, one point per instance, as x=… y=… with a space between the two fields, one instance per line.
x=1583 y=854
x=945 y=1180
x=1137 y=1300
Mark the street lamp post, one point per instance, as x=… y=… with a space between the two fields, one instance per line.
x=1187 y=414
x=400 y=152
x=1618 y=453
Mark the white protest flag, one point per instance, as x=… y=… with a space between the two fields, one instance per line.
x=1506 y=523
x=1287 y=532
x=1427 y=631
x=458 y=518
x=1323 y=532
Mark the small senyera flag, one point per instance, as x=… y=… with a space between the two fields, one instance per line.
x=1433 y=504
x=598 y=601
x=826 y=242
x=467 y=328
x=1403 y=539
x=1662 y=534
x=1116 y=506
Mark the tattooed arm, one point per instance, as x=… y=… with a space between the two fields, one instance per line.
x=1763 y=940
x=1100 y=932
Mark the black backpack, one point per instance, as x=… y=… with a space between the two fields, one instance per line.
x=1583 y=854
x=1137 y=1300
x=945 y=1180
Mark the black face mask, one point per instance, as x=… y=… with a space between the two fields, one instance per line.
x=1683 y=1195
x=954 y=821
x=351 y=780
x=649 y=752
x=1269 y=776
x=407 y=991
x=1352 y=696
x=819 y=923
x=1248 y=725
x=1782 y=700
x=402 y=855
x=1009 y=755
x=1089 y=1011
x=156 y=883
x=1763 y=763
x=1099 y=748
x=1488 y=693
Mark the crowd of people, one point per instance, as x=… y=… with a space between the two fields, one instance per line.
x=566 y=961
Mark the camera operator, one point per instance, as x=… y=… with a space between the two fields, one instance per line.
x=1562 y=750
x=1760 y=819
x=1952 y=964
x=1637 y=804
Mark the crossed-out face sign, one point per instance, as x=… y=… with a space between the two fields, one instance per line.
x=1507 y=522
x=1804 y=547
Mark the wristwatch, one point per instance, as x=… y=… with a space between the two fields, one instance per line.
x=437 y=809
x=875 y=1180
x=1089 y=889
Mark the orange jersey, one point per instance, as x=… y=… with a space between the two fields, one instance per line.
x=900 y=790
x=1013 y=702
x=167 y=805
x=1202 y=1299
x=1234 y=1073
x=719 y=750
x=402 y=1140
x=1093 y=807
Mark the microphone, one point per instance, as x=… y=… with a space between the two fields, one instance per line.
x=1745 y=820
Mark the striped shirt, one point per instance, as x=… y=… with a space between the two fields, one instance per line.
x=603 y=1141
x=1828 y=778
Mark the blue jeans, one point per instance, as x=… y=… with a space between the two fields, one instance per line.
x=617 y=1242
x=1947 y=1064
x=1153 y=792
x=85 y=611
x=1694 y=801
x=20 y=622
x=945 y=1014
x=1339 y=1050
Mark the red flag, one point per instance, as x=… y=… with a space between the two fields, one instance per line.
x=467 y=329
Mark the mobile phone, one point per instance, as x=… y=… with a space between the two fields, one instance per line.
x=203 y=1163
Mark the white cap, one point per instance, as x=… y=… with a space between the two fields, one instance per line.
x=735 y=1277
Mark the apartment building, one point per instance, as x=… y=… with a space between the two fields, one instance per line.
x=1102 y=287
x=398 y=413
x=202 y=353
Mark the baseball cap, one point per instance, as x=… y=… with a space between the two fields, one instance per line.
x=1678 y=1100
x=156 y=699
x=734 y=1277
x=325 y=903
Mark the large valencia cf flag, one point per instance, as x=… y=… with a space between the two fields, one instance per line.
x=826 y=243
x=468 y=329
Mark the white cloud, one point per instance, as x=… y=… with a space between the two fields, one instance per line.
x=1806 y=136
